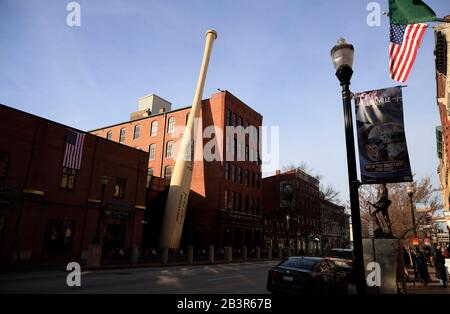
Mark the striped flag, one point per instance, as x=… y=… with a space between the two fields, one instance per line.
x=74 y=149
x=404 y=43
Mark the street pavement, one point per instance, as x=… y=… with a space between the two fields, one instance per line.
x=232 y=278
x=434 y=287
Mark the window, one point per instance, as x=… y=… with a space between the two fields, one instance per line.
x=239 y=201
x=169 y=149
x=68 y=178
x=241 y=121
x=171 y=127
x=58 y=236
x=227 y=170
x=226 y=199
x=137 y=131
x=151 y=152
x=239 y=151
x=228 y=122
x=122 y=135
x=168 y=173
x=258 y=210
x=246 y=203
x=239 y=175
x=235 y=120
x=234 y=149
x=154 y=128
x=233 y=200
x=253 y=179
x=187 y=118
x=149 y=176
x=4 y=164
x=109 y=135
x=252 y=204
x=247 y=177
x=233 y=172
x=119 y=188
x=247 y=153
x=258 y=181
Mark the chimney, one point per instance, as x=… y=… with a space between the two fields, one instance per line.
x=278 y=172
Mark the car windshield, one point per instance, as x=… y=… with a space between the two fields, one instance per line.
x=301 y=263
x=341 y=254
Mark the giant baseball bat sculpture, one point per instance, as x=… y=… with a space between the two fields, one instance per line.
x=180 y=182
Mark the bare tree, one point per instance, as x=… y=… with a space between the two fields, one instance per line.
x=329 y=193
x=400 y=209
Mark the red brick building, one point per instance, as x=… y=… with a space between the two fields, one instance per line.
x=335 y=226
x=291 y=210
x=225 y=198
x=49 y=213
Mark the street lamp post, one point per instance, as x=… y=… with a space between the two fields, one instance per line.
x=410 y=190
x=342 y=57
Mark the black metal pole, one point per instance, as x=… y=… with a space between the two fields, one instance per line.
x=344 y=74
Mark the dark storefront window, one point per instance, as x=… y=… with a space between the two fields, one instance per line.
x=4 y=164
x=59 y=236
x=68 y=178
x=119 y=188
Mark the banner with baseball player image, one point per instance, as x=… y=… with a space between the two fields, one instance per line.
x=383 y=154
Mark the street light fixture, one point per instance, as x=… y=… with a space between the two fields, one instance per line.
x=410 y=189
x=342 y=57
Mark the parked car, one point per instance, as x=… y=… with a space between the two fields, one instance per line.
x=343 y=258
x=307 y=275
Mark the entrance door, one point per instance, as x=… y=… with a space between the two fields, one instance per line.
x=114 y=240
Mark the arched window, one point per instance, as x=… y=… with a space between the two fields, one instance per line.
x=171 y=127
x=169 y=149
x=122 y=135
x=109 y=135
x=154 y=128
x=168 y=173
x=137 y=131
x=151 y=151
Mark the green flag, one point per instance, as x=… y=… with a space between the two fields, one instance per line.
x=410 y=12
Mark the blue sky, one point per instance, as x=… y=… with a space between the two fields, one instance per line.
x=273 y=55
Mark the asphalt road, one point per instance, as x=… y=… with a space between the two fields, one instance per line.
x=235 y=278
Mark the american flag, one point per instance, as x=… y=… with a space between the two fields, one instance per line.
x=404 y=43
x=74 y=149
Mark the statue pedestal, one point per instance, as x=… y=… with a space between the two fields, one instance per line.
x=388 y=255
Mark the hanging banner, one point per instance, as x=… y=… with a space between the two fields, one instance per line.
x=383 y=154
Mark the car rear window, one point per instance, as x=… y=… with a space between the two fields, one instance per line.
x=301 y=263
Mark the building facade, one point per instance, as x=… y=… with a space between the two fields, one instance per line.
x=292 y=213
x=442 y=54
x=225 y=197
x=51 y=211
x=335 y=227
